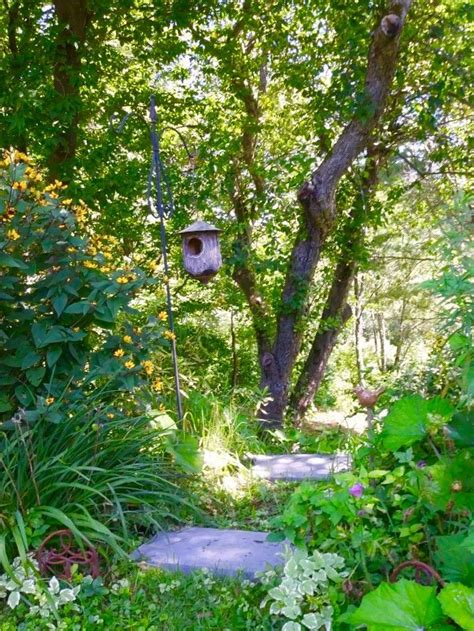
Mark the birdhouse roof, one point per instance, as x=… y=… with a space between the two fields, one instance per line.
x=200 y=226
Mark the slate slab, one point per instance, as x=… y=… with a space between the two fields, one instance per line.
x=224 y=552
x=299 y=466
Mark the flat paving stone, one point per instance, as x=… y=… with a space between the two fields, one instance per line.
x=224 y=552
x=300 y=466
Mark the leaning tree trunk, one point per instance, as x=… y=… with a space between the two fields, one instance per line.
x=315 y=365
x=317 y=199
x=336 y=311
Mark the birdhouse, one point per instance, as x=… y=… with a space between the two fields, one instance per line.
x=201 y=250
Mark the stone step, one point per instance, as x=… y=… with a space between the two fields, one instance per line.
x=223 y=552
x=290 y=467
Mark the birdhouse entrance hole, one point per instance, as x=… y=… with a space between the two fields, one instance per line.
x=195 y=246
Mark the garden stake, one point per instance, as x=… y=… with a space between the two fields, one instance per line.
x=160 y=209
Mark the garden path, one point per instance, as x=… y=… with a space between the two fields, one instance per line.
x=233 y=552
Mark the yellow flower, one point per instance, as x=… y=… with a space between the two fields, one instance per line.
x=122 y=280
x=127 y=339
x=66 y=202
x=166 y=279
x=50 y=401
x=169 y=335
x=163 y=316
x=110 y=415
x=71 y=249
x=119 y=352
x=54 y=195
x=20 y=186
x=13 y=235
x=148 y=367
x=129 y=364
x=90 y=264
x=157 y=385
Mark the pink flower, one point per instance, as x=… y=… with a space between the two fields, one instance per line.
x=357 y=490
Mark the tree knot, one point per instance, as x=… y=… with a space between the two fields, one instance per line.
x=306 y=192
x=390 y=25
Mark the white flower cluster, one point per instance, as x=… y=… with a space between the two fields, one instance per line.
x=304 y=586
x=47 y=597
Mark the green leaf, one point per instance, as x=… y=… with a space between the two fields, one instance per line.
x=5 y=405
x=457 y=602
x=23 y=395
x=30 y=360
x=79 y=307
x=8 y=261
x=398 y=606
x=186 y=453
x=450 y=480
x=35 y=375
x=38 y=331
x=461 y=429
x=59 y=303
x=454 y=557
x=53 y=355
x=410 y=418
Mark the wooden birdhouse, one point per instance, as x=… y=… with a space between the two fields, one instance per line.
x=201 y=250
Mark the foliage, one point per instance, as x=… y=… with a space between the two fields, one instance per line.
x=411 y=418
x=307 y=590
x=403 y=605
x=62 y=294
x=24 y=581
x=109 y=481
x=457 y=602
x=407 y=605
x=153 y=599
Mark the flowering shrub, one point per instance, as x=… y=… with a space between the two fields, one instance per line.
x=306 y=590
x=61 y=295
x=78 y=449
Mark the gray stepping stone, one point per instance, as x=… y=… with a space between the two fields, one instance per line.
x=300 y=466
x=224 y=552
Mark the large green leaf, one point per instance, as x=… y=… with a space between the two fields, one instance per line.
x=461 y=429
x=397 y=607
x=457 y=601
x=410 y=418
x=450 y=481
x=454 y=557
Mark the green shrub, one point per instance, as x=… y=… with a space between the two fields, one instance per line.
x=78 y=389
x=60 y=298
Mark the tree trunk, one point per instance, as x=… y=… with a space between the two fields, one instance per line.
x=336 y=311
x=382 y=336
x=73 y=17
x=335 y=314
x=317 y=199
x=235 y=359
x=279 y=339
x=358 y=330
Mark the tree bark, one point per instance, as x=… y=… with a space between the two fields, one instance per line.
x=317 y=199
x=336 y=311
x=73 y=18
x=382 y=336
x=358 y=331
